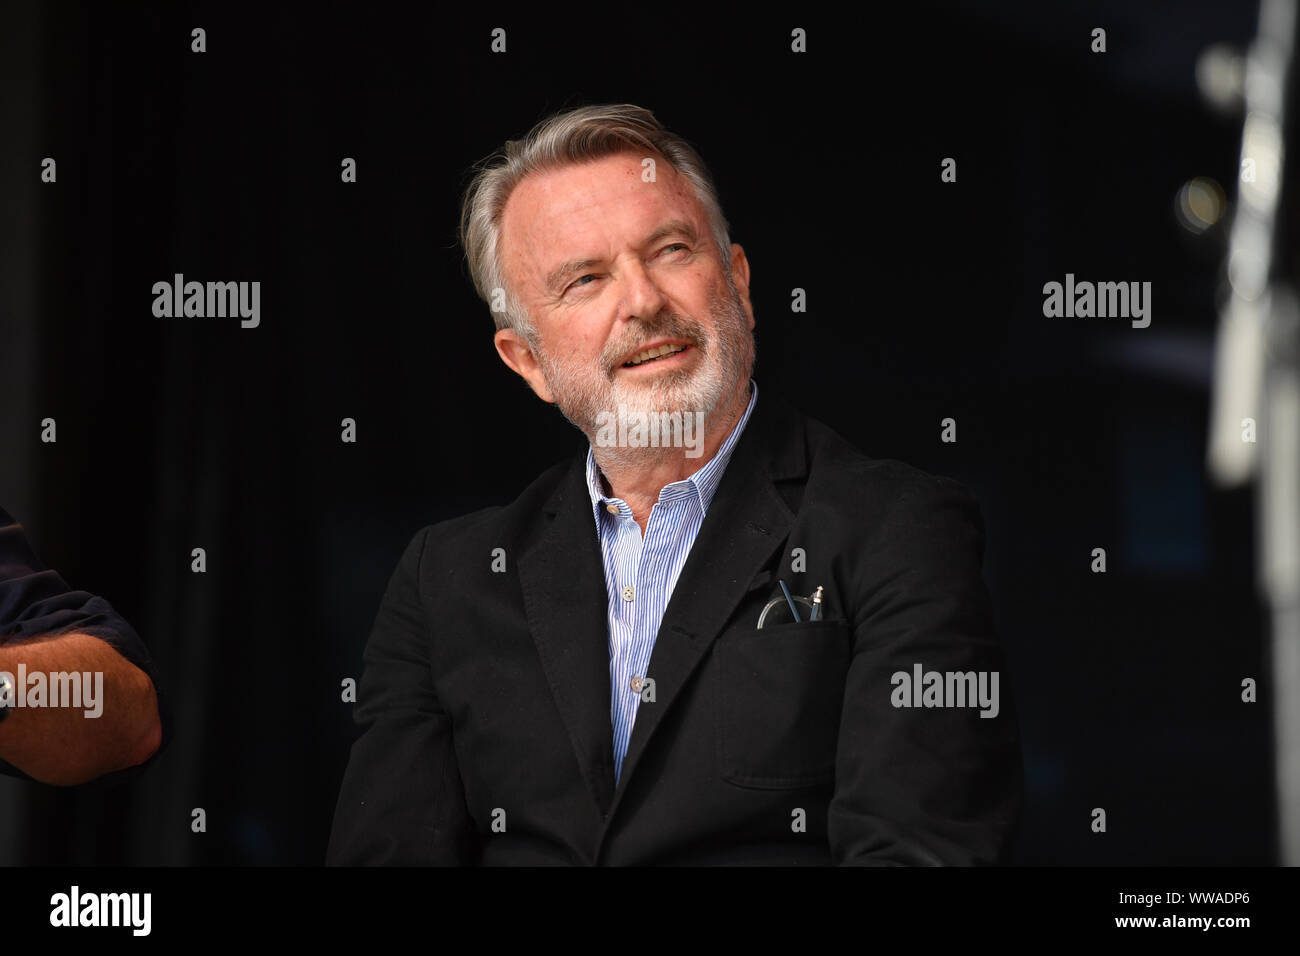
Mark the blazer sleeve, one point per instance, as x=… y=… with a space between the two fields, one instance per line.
x=35 y=601
x=924 y=785
x=402 y=801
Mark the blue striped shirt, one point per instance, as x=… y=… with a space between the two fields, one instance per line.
x=640 y=573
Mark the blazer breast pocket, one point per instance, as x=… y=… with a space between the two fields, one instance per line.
x=779 y=696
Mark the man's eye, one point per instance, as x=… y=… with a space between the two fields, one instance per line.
x=581 y=280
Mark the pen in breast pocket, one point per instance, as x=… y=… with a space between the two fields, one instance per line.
x=817 y=605
x=790 y=601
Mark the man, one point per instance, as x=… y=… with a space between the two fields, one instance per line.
x=78 y=695
x=579 y=677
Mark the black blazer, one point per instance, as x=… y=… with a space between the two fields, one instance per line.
x=484 y=703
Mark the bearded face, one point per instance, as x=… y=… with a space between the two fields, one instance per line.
x=632 y=307
x=699 y=365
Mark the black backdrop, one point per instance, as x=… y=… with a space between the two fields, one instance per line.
x=924 y=301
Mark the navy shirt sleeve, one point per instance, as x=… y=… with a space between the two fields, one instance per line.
x=36 y=601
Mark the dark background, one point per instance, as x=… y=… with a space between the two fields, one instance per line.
x=924 y=301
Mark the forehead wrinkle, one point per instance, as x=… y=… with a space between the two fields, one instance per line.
x=542 y=193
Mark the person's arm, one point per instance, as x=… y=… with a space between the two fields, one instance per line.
x=48 y=628
x=928 y=785
x=66 y=745
x=402 y=801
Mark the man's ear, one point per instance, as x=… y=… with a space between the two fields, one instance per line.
x=518 y=354
x=740 y=277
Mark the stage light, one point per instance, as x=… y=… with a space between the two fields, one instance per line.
x=1200 y=204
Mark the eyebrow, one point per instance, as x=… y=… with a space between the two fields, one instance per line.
x=673 y=227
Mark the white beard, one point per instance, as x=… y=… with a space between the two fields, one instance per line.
x=583 y=395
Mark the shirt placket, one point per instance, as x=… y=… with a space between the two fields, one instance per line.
x=627 y=550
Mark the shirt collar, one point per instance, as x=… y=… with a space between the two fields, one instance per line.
x=703 y=483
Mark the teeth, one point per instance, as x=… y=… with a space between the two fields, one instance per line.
x=649 y=354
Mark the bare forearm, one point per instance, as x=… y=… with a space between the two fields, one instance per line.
x=66 y=745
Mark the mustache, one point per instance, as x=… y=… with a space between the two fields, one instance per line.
x=666 y=326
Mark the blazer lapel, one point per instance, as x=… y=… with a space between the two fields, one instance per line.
x=563 y=583
x=747 y=521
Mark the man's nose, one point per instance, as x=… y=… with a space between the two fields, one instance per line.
x=642 y=297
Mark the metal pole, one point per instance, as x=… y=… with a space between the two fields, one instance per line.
x=1257 y=380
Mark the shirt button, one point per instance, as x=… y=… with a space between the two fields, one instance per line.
x=629 y=592
x=636 y=685
x=612 y=509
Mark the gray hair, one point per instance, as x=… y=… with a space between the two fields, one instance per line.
x=575 y=136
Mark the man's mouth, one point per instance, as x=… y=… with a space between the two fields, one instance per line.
x=654 y=354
